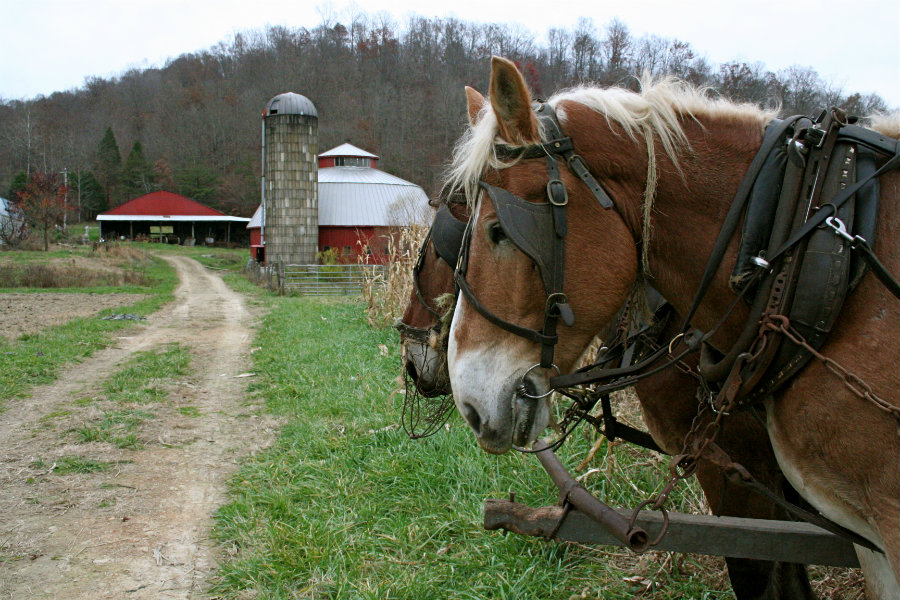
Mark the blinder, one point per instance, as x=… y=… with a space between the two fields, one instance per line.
x=446 y=235
x=538 y=230
x=529 y=226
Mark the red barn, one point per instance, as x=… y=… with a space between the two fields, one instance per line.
x=359 y=206
x=169 y=217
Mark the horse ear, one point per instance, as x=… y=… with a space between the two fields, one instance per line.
x=511 y=101
x=476 y=103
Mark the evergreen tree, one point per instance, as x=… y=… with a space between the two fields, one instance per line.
x=18 y=185
x=138 y=177
x=90 y=196
x=197 y=184
x=109 y=167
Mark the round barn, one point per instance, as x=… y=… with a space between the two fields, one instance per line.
x=359 y=207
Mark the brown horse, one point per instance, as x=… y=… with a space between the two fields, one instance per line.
x=668 y=404
x=423 y=348
x=671 y=160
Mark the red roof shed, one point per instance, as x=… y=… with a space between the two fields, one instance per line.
x=166 y=216
x=163 y=203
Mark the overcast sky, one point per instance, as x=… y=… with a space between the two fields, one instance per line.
x=53 y=45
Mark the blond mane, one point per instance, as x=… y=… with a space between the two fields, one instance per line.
x=886 y=124
x=655 y=112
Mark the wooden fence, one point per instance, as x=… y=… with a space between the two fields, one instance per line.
x=316 y=280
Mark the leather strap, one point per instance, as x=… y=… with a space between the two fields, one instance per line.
x=830 y=208
x=774 y=136
x=878 y=269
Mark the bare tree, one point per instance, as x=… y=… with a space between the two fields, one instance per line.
x=585 y=50
x=617 y=47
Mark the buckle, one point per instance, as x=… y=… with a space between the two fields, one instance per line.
x=557 y=184
x=558 y=306
x=815 y=136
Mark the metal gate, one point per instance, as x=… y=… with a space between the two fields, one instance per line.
x=330 y=280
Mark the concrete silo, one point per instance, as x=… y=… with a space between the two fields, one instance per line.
x=290 y=203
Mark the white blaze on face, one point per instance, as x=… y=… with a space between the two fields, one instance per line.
x=484 y=381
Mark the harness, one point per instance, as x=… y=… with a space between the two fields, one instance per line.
x=788 y=270
x=538 y=230
x=803 y=214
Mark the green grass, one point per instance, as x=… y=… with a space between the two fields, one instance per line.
x=144 y=377
x=341 y=507
x=116 y=427
x=228 y=259
x=35 y=359
x=143 y=380
x=66 y=465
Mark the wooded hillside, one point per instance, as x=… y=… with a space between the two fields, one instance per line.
x=193 y=126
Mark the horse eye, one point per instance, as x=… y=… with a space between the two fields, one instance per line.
x=496 y=233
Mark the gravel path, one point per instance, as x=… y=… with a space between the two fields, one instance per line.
x=141 y=529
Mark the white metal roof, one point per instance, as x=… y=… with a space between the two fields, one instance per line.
x=348 y=150
x=365 y=197
x=256 y=219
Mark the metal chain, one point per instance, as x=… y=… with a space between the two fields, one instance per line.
x=699 y=437
x=701 y=434
x=853 y=382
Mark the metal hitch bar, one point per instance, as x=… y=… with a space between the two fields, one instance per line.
x=584 y=519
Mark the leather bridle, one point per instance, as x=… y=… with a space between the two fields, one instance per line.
x=537 y=229
x=446 y=235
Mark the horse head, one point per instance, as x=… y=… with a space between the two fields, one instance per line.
x=422 y=332
x=536 y=236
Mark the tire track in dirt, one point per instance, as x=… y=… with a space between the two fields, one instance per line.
x=140 y=530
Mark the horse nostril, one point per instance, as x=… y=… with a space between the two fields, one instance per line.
x=411 y=371
x=472 y=417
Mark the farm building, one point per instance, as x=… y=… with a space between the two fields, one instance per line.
x=11 y=221
x=358 y=206
x=172 y=218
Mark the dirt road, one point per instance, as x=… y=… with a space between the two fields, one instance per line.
x=141 y=528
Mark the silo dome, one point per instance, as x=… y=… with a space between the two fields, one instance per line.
x=290 y=103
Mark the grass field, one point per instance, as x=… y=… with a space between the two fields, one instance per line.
x=345 y=506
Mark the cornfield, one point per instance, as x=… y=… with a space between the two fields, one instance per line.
x=387 y=294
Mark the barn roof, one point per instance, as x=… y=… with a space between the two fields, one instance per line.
x=366 y=197
x=256 y=219
x=165 y=206
x=363 y=197
x=348 y=150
